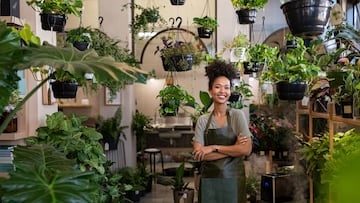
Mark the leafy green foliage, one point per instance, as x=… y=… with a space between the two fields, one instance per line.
x=206 y=22
x=111 y=126
x=243 y=89
x=262 y=53
x=80 y=34
x=248 y=4
x=68 y=135
x=177 y=182
x=57 y=6
x=172 y=97
x=140 y=123
x=44 y=175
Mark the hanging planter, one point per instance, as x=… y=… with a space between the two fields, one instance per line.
x=291 y=90
x=207 y=26
x=246 y=16
x=81 y=45
x=204 y=32
x=54 y=22
x=307 y=17
x=251 y=67
x=178 y=63
x=65 y=89
x=237 y=54
x=177 y=2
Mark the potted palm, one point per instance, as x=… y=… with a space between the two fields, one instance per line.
x=79 y=37
x=246 y=9
x=207 y=26
x=292 y=71
x=178 y=55
x=53 y=12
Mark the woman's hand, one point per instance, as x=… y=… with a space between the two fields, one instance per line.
x=200 y=152
x=242 y=140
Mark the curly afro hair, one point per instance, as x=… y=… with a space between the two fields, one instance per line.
x=219 y=68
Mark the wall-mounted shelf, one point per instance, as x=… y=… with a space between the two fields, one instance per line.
x=12 y=21
x=74 y=105
x=13 y=136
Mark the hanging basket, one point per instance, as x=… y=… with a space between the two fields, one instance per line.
x=307 y=17
x=178 y=63
x=81 y=46
x=253 y=68
x=237 y=54
x=177 y=2
x=246 y=16
x=291 y=91
x=64 y=89
x=55 y=21
x=204 y=32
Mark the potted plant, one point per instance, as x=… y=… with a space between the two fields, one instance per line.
x=64 y=84
x=111 y=129
x=258 y=56
x=13 y=101
x=240 y=94
x=140 y=122
x=206 y=26
x=237 y=47
x=179 y=187
x=303 y=19
x=178 y=55
x=292 y=71
x=79 y=37
x=53 y=12
x=15 y=58
x=172 y=98
x=206 y=101
x=246 y=9
x=145 y=17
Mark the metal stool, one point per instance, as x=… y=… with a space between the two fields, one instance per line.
x=152 y=153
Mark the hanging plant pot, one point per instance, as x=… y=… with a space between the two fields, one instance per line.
x=291 y=44
x=111 y=141
x=307 y=17
x=237 y=54
x=234 y=97
x=64 y=89
x=177 y=2
x=81 y=45
x=204 y=32
x=253 y=68
x=12 y=126
x=55 y=21
x=246 y=16
x=178 y=63
x=291 y=91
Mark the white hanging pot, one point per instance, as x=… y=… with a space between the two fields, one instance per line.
x=237 y=54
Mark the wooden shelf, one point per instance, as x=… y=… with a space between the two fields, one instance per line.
x=74 y=105
x=13 y=136
x=12 y=21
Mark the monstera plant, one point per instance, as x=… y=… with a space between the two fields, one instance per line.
x=13 y=58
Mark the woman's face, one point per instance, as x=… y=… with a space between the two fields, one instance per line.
x=220 y=90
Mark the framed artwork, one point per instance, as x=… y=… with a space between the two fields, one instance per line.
x=112 y=99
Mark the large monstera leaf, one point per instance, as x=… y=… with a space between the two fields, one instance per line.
x=44 y=175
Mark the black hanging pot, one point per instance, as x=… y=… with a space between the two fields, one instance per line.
x=55 y=21
x=177 y=2
x=66 y=89
x=291 y=90
x=234 y=97
x=253 y=68
x=204 y=32
x=307 y=17
x=246 y=16
x=178 y=63
x=81 y=45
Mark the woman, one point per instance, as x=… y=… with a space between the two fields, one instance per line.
x=222 y=139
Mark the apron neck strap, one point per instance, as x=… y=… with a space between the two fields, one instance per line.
x=209 y=120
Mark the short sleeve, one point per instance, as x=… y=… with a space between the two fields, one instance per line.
x=239 y=123
x=200 y=129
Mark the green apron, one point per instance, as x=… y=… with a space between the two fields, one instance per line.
x=222 y=180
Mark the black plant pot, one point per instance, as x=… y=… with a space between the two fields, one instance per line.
x=291 y=44
x=347 y=109
x=177 y=2
x=254 y=68
x=307 y=17
x=246 y=16
x=176 y=63
x=234 y=97
x=55 y=21
x=133 y=195
x=111 y=141
x=81 y=46
x=204 y=32
x=64 y=89
x=291 y=91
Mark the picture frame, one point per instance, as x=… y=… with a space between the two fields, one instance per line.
x=112 y=100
